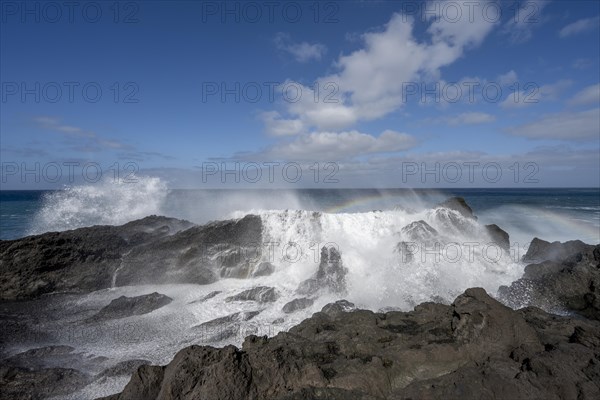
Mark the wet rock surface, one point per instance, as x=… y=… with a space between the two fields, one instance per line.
x=297 y=304
x=260 y=294
x=123 y=368
x=34 y=384
x=224 y=327
x=564 y=278
x=263 y=269
x=419 y=231
x=498 y=236
x=123 y=306
x=153 y=250
x=474 y=348
x=458 y=204
x=330 y=275
x=43 y=372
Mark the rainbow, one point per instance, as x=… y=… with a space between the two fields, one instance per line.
x=586 y=228
x=376 y=201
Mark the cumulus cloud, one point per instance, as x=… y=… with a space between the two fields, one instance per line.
x=589 y=95
x=580 y=26
x=369 y=82
x=277 y=126
x=302 y=52
x=582 y=125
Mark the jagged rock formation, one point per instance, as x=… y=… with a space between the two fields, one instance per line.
x=474 y=348
x=458 y=204
x=565 y=276
x=147 y=251
x=419 y=231
x=498 y=236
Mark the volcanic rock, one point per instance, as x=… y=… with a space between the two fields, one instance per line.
x=498 y=236
x=123 y=306
x=458 y=204
x=297 y=304
x=153 y=250
x=419 y=231
x=261 y=294
x=565 y=277
x=330 y=275
x=474 y=348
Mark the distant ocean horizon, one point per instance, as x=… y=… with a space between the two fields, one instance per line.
x=549 y=213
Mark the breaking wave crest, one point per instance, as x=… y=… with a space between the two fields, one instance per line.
x=107 y=203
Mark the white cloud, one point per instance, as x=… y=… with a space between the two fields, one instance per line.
x=277 y=126
x=580 y=26
x=508 y=78
x=334 y=146
x=553 y=91
x=471 y=118
x=532 y=94
x=302 y=52
x=583 y=125
x=589 y=95
x=370 y=81
x=520 y=26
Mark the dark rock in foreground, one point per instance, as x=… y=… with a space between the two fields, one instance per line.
x=340 y=306
x=565 y=277
x=476 y=348
x=46 y=371
x=123 y=306
x=28 y=384
x=123 y=368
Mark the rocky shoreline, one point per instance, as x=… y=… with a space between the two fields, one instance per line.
x=478 y=347
x=475 y=348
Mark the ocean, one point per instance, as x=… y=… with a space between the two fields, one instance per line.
x=551 y=214
x=372 y=230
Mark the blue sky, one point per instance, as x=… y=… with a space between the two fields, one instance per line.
x=171 y=89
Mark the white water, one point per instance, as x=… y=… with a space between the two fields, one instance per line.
x=377 y=274
x=377 y=278
x=107 y=203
